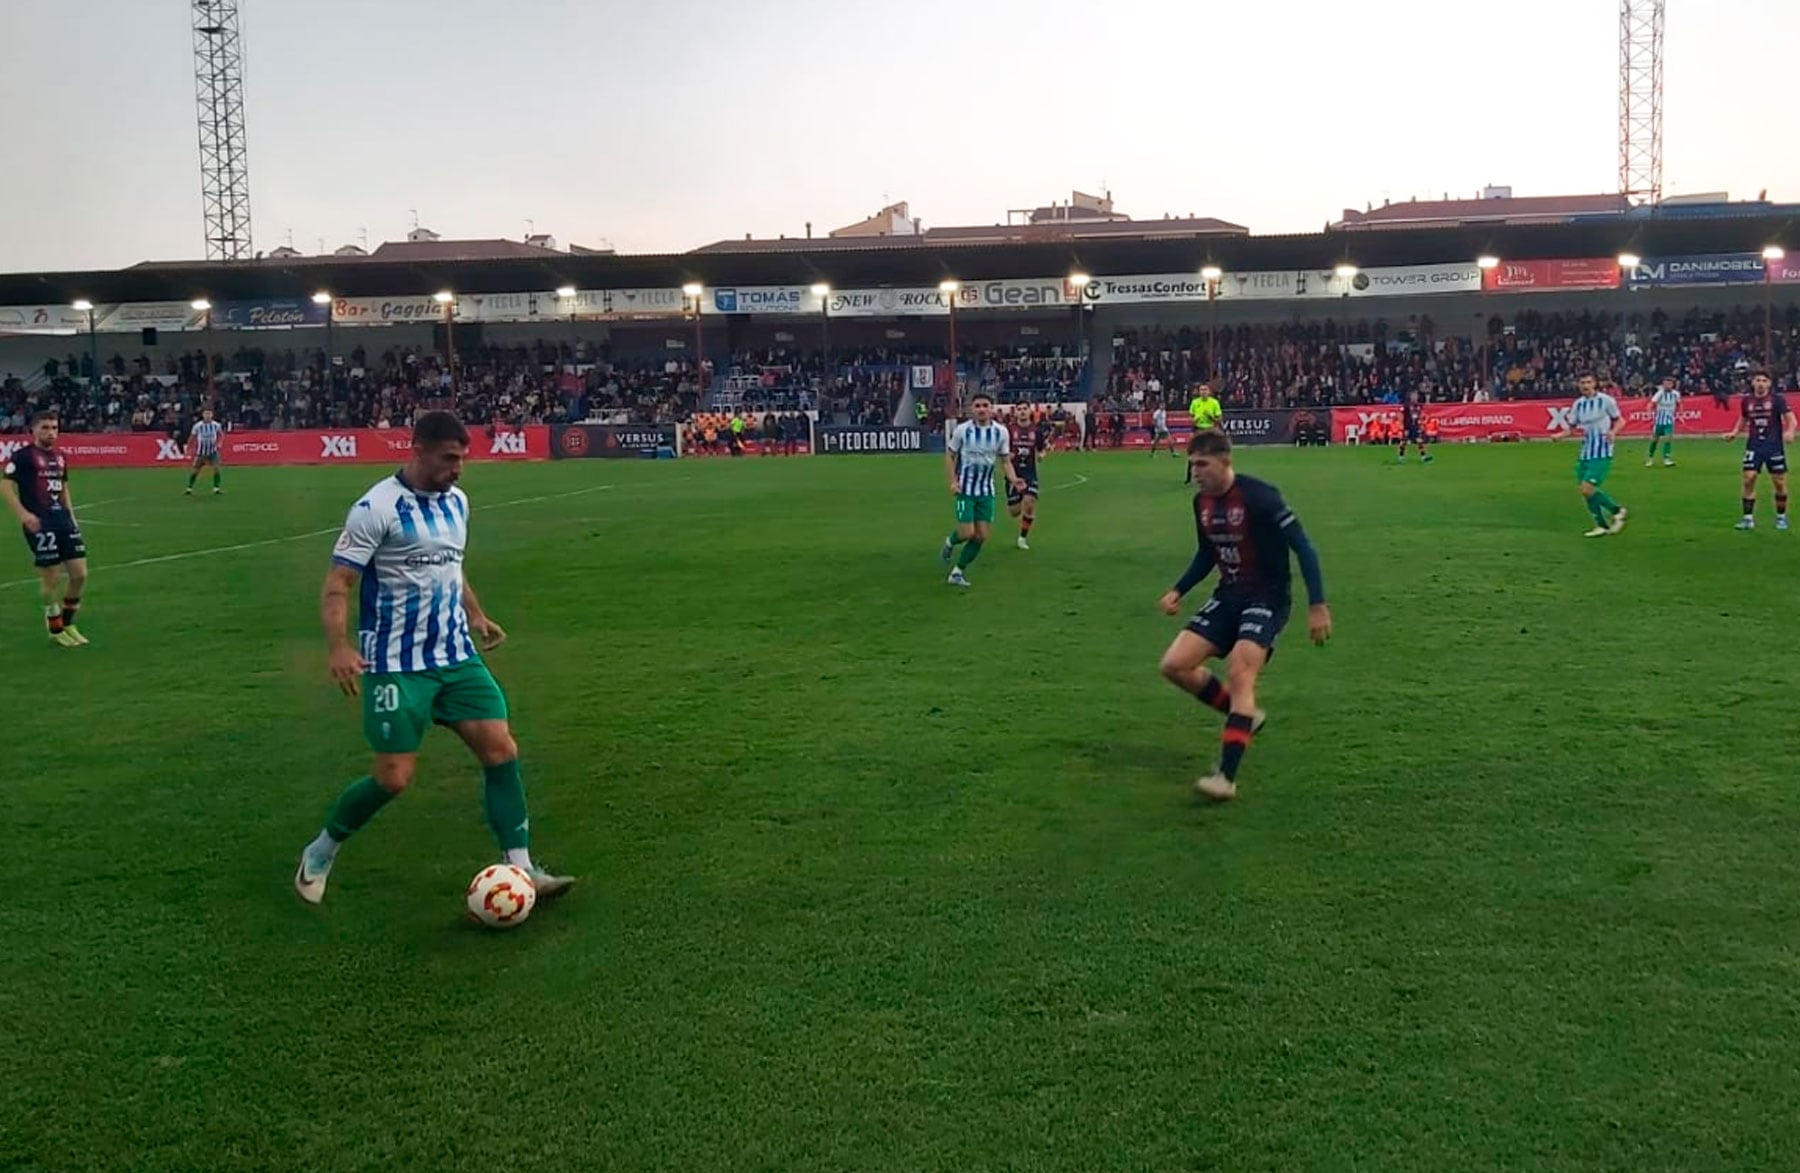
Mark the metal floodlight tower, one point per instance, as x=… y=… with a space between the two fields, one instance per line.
x=224 y=156
x=1641 y=100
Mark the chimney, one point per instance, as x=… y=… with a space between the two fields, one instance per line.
x=809 y=230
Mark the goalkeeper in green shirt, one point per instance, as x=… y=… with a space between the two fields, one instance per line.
x=1207 y=414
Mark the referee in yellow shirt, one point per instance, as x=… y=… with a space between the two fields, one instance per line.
x=1206 y=412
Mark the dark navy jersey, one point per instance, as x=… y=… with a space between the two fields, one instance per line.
x=1410 y=413
x=1245 y=530
x=40 y=476
x=1763 y=419
x=1026 y=444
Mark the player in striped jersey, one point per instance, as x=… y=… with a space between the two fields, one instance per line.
x=975 y=447
x=207 y=440
x=1666 y=402
x=417 y=663
x=1595 y=415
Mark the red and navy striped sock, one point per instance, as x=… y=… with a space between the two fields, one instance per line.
x=1239 y=730
x=1213 y=693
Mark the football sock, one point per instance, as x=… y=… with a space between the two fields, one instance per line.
x=971 y=551
x=503 y=798
x=71 y=604
x=1235 y=740
x=1025 y=525
x=1213 y=693
x=1749 y=506
x=1593 y=504
x=954 y=540
x=361 y=801
x=1652 y=451
x=53 y=618
x=192 y=477
x=216 y=477
x=1780 y=507
x=1668 y=447
x=1606 y=502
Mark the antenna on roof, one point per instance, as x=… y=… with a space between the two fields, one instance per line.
x=415 y=216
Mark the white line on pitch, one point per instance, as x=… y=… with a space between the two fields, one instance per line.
x=185 y=554
x=1079 y=480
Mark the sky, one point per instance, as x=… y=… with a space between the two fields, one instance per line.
x=662 y=125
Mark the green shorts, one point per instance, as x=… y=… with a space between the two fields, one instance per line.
x=970 y=510
x=398 y=707
x=1593 y=472
x=1663 y=430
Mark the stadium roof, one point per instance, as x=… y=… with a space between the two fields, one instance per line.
x=1045 y=231
x=891 y=262
x=1501 y=209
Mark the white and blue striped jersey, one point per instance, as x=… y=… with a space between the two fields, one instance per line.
x=206 y=437
x=409 y=547
x=1666 y=401
x=1593 y=416
x=978 y=448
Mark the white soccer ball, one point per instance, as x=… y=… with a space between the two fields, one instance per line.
x=501 y=896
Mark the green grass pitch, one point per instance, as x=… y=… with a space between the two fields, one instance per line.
x=879 y=875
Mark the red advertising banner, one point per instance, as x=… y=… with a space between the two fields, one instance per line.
x=1526 y=276
x=344 y=446
x=1534 y=419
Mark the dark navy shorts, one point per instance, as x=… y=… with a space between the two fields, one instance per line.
x=1225 y=620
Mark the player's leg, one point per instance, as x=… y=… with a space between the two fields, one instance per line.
x=1589 y=491
x=1611 y=510
x=1184 y=662
x=472 y=704
x=76 y=571
x=1748 y=493
x=1669 y=448
x=218 y=467
x=983 y=525
x=1027 y=517
x=1650 y=456
x=962 y=531
x=194 y=474
x=1778 y=482
x=50 y=592
x=396 y=713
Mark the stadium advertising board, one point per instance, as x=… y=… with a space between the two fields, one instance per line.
x=620 y=305
x=1535 y=419
x=47 y=319
x=609 y=441
x=760 y=299
x=384 y=311
x=342 y=446
x=1405 y=279
x=505 y=307
x=1530 y=276
x=133 y=316
x=876 y=441
x=1785 y=270
x=1027 y=293
x=886 y=303
x=1248 y=428
x=1146 y=288
x=267 y=313
x=1709 y=269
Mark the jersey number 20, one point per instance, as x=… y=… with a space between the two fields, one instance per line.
x=387 y=698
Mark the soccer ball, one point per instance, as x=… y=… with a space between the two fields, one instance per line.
x=501 y=896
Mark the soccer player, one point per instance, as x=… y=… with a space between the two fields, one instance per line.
x=1770 y=426
x=1666 y=402
x=416 y=662
x=206 y=449
x=1246 y=531
x=1596 y=416
x=36 y=488
x=1159 y=431
x=1412 y=416
x=974 y=448
x=1022 y=496
x=1207 y=413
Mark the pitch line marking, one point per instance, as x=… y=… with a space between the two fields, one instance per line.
x=317 y=533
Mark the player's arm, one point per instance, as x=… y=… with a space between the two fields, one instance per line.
x=1199 y=568
x=1787 y=426
x=1318 y=612
x=952 y=446
x=1615 y=419
x=1737 y=425
x=1006 y=454
x=489 y=635
x=10 y=491
x=362 y=536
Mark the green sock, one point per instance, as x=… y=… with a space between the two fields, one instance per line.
x=1668 y=447
x=954 y=540
x=1593 y=504
x=215 y=478
x=192 y=477
x=969 y=554
x=503 y=798
x=360 y=802
x=1606 y=502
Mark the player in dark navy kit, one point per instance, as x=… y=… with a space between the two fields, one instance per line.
x=1245 y=531
x=36 y=489
x=1412 y=418
x=1022 y=498
x=1768 y=424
